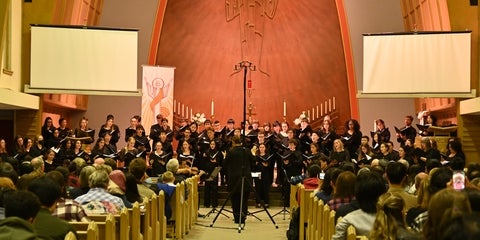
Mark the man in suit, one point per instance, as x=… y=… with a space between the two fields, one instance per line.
x=237 y=162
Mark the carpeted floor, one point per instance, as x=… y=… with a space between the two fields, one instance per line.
x=225 y=228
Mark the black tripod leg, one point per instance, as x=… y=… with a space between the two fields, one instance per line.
x=222 y=208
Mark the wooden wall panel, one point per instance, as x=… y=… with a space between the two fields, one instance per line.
x=298 y=54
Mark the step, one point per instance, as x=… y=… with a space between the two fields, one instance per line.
x=275 y=196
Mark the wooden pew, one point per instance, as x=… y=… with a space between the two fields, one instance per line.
x=70 y=236
x=351 y=233
x=319 y=222
x=134 y=219
x=175 y=224
x=331 y=224
x=104 y=229
x=92 y=231
x=325 y=221
x=145 y=217
x=122 y=224
x=293 y=197
x=161 y=216
x=312 y=221
x=154 y=217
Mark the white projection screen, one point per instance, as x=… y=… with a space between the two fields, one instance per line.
x=97 y=61
x=417 y=63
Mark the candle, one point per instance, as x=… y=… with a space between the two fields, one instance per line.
x=313 y=113
x=178 y=108
x=186 y=113
x=309 y=113
x=213 y=108
x=374 y=126
x=329 y=105
x=334 y=103
x=321 y=109
x=191 y=113
x=284 y=108
x=326 y=109
x=183 y=110
x=317 y=111
x=174 y=105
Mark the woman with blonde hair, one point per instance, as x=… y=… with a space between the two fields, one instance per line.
x=389 y=220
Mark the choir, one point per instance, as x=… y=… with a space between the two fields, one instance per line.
x=281 y=152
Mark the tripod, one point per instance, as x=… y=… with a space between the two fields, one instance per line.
x=242 y=216
x=284 y=197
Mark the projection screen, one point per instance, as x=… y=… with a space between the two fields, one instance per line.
x=77 y=59
x=417 y=63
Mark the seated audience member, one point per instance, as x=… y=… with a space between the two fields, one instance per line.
x=438 y=180
x=38 y=171
x=172 y=166
x=97 y=199
x=473 y=171
x=7 y=170
x=463 y=227
x=47 y=225
x=343 y=190
x=369 y=188
x=21 y=208
x=396 y=174
x=168 y=187
x=445 y=205
x=83 y=182
x=117 y=186
x=312 y=181
x=7 y=183
x=131 y=188
x=138 y=168
x=66 y=209
x=390 y=220
x=326 y=189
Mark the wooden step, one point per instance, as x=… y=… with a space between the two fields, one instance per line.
x=275 y=196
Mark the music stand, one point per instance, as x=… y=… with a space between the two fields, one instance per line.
x=284 y=197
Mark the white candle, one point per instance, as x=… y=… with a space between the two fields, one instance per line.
x=186 y=113
x=309 y=113
x=313 y=113
x=191 y=113
x=178 y=108
x=374 y=126
x=183 y=110
x=284 y=108
x=326 y=107
x=321 y=109
x=329 y=105
x=317 y=111
x=174 y=105
x=334 y=103
x=213 y=108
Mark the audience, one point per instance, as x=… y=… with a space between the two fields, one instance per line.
x=46 y=225
x=390 y=220
x=138 y=168
x=396 y=174
x=66 y=209
x=369 y=188
x=343 y=190
x=21 y=208
x=97 y=199
x=445 y=205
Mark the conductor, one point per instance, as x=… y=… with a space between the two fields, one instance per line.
x=237 y=162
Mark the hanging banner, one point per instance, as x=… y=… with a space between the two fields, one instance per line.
x=157 y=88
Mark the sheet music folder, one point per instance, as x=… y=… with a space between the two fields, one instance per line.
x=214 y=174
